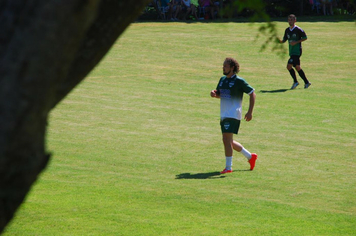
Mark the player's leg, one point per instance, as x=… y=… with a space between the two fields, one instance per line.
x=302 y=74
x=227 y=141
x=237 y=146
x=229 y=127
x=292 y=73
x=251 y=157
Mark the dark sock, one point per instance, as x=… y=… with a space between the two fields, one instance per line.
x=292 y=73
x=302 y=75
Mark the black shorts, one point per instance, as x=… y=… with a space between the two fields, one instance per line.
x=295 y=60
x=230 y=125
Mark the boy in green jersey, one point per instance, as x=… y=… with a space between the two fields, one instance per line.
x=230 y=90
x=295 y=36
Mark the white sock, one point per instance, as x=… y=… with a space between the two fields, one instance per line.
x=246 y=153
x=228 y=163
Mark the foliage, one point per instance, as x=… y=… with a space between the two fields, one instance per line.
x=269 y=30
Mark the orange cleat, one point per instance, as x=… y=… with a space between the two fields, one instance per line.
x=225 y=171
x=252 y=161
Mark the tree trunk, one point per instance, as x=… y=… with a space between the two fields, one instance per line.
x=47 y=47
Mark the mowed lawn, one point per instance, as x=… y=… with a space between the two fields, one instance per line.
x=136 y=148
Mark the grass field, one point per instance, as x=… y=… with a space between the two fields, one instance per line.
x=137 y=147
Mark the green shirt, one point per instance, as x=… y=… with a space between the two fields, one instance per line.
x=231 y=92
x=294 y=34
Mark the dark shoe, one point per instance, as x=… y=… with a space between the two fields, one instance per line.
x=294 y=85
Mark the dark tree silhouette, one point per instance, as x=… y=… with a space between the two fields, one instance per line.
x=47 y=47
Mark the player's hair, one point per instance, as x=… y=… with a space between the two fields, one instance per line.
x=292 y=16
x=233 y=63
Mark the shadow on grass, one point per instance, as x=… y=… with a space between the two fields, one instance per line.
x=210 y=175
x=275 y=91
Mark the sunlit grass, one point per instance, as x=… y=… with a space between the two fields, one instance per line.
x=137 y=146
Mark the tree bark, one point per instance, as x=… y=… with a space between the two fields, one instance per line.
x=47 y=47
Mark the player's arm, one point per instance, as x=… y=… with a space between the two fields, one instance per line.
x=284 y=39
x=215 y=93
x=248 y=115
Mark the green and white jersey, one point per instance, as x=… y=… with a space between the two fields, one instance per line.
x=294 y=34
x=231 y=92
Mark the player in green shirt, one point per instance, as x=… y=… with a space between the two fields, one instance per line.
x=230 y=90
x=295 y=36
